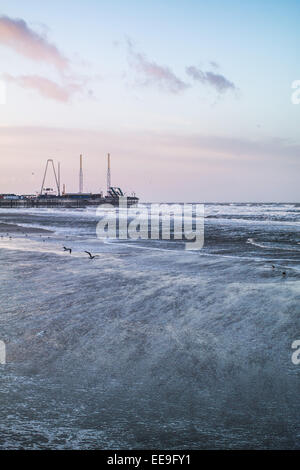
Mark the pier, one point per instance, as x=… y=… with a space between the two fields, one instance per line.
x=47 y=197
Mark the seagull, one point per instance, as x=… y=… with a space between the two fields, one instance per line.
x=41 y=333
x=91 y=256
x=67 y=249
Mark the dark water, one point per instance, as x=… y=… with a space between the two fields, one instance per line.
x=150 y=345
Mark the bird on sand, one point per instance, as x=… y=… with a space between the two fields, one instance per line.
x=67 y=249
x=91 y=256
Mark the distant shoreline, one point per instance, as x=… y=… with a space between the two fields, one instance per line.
x=14 y=228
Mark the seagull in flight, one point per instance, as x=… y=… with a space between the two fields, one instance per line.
x=91 y=256
x=67 y=249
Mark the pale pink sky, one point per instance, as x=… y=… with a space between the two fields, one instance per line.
x=197 y=108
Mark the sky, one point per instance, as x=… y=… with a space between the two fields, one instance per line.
x=192 y=99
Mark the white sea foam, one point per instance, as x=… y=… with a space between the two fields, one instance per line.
x=149 y=344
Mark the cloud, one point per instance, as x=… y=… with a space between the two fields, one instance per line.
x=153 y=73
x=16 y=34
x=216 y=80
x=45 y=87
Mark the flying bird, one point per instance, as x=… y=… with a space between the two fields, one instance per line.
x=91 y=256
x=67 y=249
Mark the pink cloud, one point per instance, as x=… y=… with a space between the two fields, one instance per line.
x=16 y=34
x=45 y=87
x=216 y=80
x=155 y=74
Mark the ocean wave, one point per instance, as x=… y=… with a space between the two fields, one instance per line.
x=272 y=245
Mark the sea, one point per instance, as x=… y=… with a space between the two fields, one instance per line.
x=150 y=345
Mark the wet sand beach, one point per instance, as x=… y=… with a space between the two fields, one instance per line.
x=14 y=228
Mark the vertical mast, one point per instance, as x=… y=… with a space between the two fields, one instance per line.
x=108 y=174
x=80 y=176
x=58 y=177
